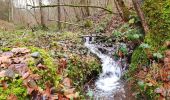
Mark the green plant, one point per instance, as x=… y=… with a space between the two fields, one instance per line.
x=48 y=74
x=88 y=23
x=126 y=32
x=158 y=55
x=90 y=94
x=147 y=91
x=15 y=86
x=81 y=70
x=144 y=46
x=123 y=48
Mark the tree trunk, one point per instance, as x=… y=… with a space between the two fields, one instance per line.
x=10 y=15
x=118 y=9
x=59 y=15
x=124 y=9
x=41 y=15
x=141 y=15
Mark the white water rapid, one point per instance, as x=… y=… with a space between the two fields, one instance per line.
x=111 y=71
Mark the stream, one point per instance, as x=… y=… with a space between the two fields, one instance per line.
x=108 y=86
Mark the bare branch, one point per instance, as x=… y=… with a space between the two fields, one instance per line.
x=70 y=5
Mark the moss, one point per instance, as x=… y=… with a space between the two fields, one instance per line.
x=4 y=49
x=14 y=87
x=88 y=23
x=139 y=59
x=158 y=18
x=47 y=74
x=81 y=70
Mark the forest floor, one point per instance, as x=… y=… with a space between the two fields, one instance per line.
x=46 y=64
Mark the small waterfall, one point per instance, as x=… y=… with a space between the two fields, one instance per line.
x=111 y=71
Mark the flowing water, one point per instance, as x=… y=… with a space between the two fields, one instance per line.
x=108 y=86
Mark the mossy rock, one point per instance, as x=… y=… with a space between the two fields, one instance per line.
x=48 y=74
x=81 y=70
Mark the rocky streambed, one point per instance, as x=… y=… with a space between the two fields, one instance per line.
x=114 y=59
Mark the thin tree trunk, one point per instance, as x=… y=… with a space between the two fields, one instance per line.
x=59 y=15
x=141 y=15
x=117 y=7
x=87 y=8
x=34 y=15
x=75 y=12
x=10 y=12
x=124 y=9
x=41 y=15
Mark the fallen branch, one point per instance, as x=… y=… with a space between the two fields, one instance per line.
x=69 y=5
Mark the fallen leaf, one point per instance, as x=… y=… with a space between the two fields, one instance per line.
x=25 y=75
x=54 y=97
x=35 y=76
x=43 y=67
x=12 y=97
x=73 y=95
x=16 y=60
x=160 y=91
x=4 y=84
x=20 y=50
x=47 y=91
x=8 y=54
x=167 y=53
x=2 y=73
x=69 y=91
x=5 y=60
x=67 y=82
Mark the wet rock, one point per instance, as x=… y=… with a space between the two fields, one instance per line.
x=35 y=55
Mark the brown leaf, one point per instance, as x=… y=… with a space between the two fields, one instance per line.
x=67 y=82
x=16 y=60
x=4 y=84
x=35 y=76
x=5 y=60
x=160 y=91
x=20 y=68
x=47 y=91
x=60 y=96
x=8 y=54
x=69 y=91
x=167 y=43
x=25 y=75
x=2 y=73
x=152 y=81
x=12 y=97
x=43 y=67
x=54 y=97
x=142 y=74
x=62 y=65
x=30 y=85
x=120 y=53
x=73 y=95
x=20 y=50
x=167 y=53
